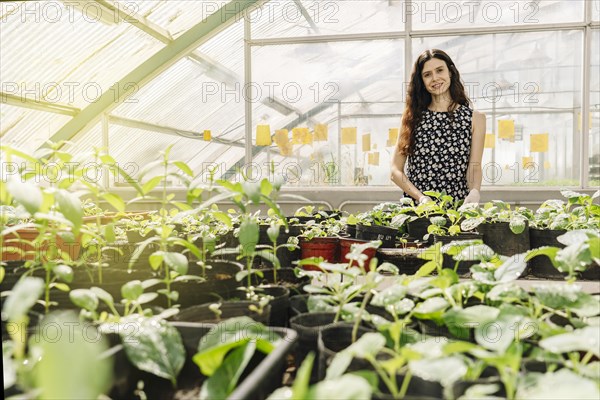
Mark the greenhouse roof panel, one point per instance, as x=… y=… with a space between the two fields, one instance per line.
x=27 y=129
x=69 y=58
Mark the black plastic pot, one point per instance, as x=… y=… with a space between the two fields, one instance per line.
x=417 y=228
x=430 y=328
x=334 y=338
x=279 y=304
x=407 y=263
x=261 y=377
x=308 y=326
x=229 y=309
x=463 y=268
x=351 y=231
x=418 y=389
x=220 y=283
x=298 y=305
x=286 y=257
x=541 y=266
x=460 y=387
x=285 y=277
x=502 y=240
x=386 y=234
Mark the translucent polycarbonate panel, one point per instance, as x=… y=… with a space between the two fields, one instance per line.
x=175 y=16
x=134 y=148
x=288 y=18
x=27 y=129
x=435 y=14
x=594 y=118
x=72 y=55
x=226 y=49
x=533 y=79
x=297 y=83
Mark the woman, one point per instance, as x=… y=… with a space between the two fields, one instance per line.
x=441 y=136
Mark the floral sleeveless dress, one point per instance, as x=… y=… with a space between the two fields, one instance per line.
x=441 y=152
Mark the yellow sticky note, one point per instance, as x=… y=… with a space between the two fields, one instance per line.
x=349 y=135
x=373 y=158
x=527 y=162
x=307 y=137
x=321 y=133
x=538 y=142
x=490 y=141
x=298 y=135
x=579 y=122
x=281 y=137
x=263 y=135
x=390 y=143
x=546 y=164
x=506 y=129
x=393 y=135
x=206 y=135
x=285 y=149
x=366 y=142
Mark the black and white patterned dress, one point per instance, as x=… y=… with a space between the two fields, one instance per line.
x=441 y=152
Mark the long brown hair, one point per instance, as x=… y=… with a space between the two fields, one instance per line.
x=418 y=98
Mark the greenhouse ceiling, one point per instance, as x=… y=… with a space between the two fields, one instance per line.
x=138 y=76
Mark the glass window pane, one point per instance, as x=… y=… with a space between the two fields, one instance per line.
x=284 y=18
x=357 y=84
x=435 y=14
x=533 y=79
x=596 y=10
x=594 y=119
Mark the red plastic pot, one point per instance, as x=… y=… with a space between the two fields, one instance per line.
x=72 y=248
x=345 y=247
x=326 y=247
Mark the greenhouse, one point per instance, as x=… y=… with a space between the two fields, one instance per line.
x=300 y=199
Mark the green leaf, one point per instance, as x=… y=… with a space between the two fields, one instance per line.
x=302 y=381
x=22 y=297
x=249 y=233
x=103 y=295
x=471 y=223
x=153 y=346
x=184 y=167
x=84 y=298
x=511 y=269
x=73 y=365
x=431 y=308
x=346 y=387
x=562 y=384
x=476 y=252
x=132 y=290
x=151 y=184
x=368 y=344
x=273 y=232
x=252 y=190
x=389 y=295
x=228 y=335
x=156 y=259
x=265 y=187
x=586 y=339
x=517 y=224
x=222 y=383
x=177 y=262
x=70 y=207
x=446 y=370
x=63 y=273
x=114 y=200
x=26 y=193
x=63 y=287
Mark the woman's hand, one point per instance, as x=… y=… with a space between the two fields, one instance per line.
x=424 y=199
x=472 y=197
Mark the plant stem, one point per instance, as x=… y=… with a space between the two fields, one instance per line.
x=363 y=305
x=405 y=384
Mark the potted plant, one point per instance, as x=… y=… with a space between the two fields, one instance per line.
x=505 y=230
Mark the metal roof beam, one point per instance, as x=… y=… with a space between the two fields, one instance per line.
x=136 y=124
x=20 y=101
x=159 y=62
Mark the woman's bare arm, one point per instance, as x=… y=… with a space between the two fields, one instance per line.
x=399 y=177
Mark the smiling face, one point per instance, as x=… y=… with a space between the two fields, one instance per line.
x=436 y=76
